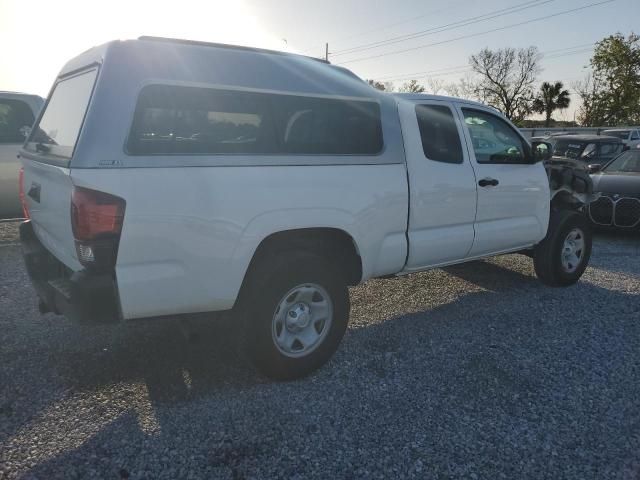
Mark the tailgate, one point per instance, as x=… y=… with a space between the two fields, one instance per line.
x=47 y=158
x=48 y=190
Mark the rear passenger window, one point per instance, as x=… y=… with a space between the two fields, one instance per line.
x=439 y=134
x=14 y=115
x=187 y=120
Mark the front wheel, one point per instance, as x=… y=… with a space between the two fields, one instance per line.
x=562 y=257
x=297 y=314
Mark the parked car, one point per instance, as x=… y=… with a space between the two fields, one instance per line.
x=550 y=139
x=630 y=136
x=17 y=114
x=619 y=184
x=583 y=150
x=204 y=177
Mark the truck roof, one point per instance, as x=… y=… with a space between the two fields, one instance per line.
x=171 y=59
x=416 y=97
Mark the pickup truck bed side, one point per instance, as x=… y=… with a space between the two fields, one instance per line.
x=193 y=257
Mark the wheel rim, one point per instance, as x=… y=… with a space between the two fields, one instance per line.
x=302 y=320
x=573 y=250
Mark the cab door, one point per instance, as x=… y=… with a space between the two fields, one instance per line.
x=513 y=192
x=442 y=185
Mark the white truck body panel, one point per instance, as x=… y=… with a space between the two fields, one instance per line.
x=48 y=196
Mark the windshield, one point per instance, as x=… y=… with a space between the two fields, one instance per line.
x=569 y=148
x=627 y=162
x=621 y=134
x=57 y=131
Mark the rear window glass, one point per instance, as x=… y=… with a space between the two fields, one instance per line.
x=15 y=115
x=439 y=134
x=188 y=120
x=59 y=127
x=569 y=148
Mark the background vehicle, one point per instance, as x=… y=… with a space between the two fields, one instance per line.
x=587 y=149
x=17 y=114
x=550 y=139
x=630 y=136
x=619 y=184
x=167 y=177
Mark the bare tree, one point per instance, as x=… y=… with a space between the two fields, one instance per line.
x=412 y=86
x=462 y=89
x=436 y=86
x=506 y=78
x=589 y=113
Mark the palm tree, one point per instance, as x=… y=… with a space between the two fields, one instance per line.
x=551 y=98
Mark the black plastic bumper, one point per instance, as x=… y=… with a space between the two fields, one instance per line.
x=83 y=296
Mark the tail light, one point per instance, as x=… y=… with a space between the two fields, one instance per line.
x=96 y=219
x=23 y=202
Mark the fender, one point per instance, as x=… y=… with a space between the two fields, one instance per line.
x=380 y=254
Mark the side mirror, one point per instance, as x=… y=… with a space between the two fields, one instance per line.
x=542 y=151
x=625 y=148
x=25 y=131
x=594 y=167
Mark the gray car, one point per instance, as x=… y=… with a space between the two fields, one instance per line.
x=17 y=114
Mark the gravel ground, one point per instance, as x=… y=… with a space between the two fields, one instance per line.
x=474 y=371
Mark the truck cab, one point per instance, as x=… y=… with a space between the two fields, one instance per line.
x=476 y=189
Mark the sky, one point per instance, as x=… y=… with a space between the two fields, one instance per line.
x=38 y=37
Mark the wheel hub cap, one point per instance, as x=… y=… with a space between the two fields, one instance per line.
x=298 y=317
x=302 y=320
x=573 y=250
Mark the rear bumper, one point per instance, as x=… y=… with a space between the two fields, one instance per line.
x=83 y=296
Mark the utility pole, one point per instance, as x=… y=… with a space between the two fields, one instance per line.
x=326 y=51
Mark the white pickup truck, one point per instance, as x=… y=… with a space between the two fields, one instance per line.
x=169 y=177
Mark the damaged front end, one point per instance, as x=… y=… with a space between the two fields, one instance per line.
x=570 y=183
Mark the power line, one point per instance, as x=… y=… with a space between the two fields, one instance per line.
x=443 y=28
x=390 y=25
x=410 y=75
x=462 y=37
x=556 y=53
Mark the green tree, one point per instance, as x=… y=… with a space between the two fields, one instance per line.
x=551 y=97
x=383 y=86
x=611 y=96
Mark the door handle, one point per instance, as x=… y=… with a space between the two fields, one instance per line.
x=488 y=182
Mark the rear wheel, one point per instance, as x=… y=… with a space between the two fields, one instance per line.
x=562 y=257
x=297 y=310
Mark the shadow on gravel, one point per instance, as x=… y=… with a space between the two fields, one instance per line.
x=472 y=377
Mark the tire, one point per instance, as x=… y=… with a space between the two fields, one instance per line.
x=553 y=265
x=295 y=295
